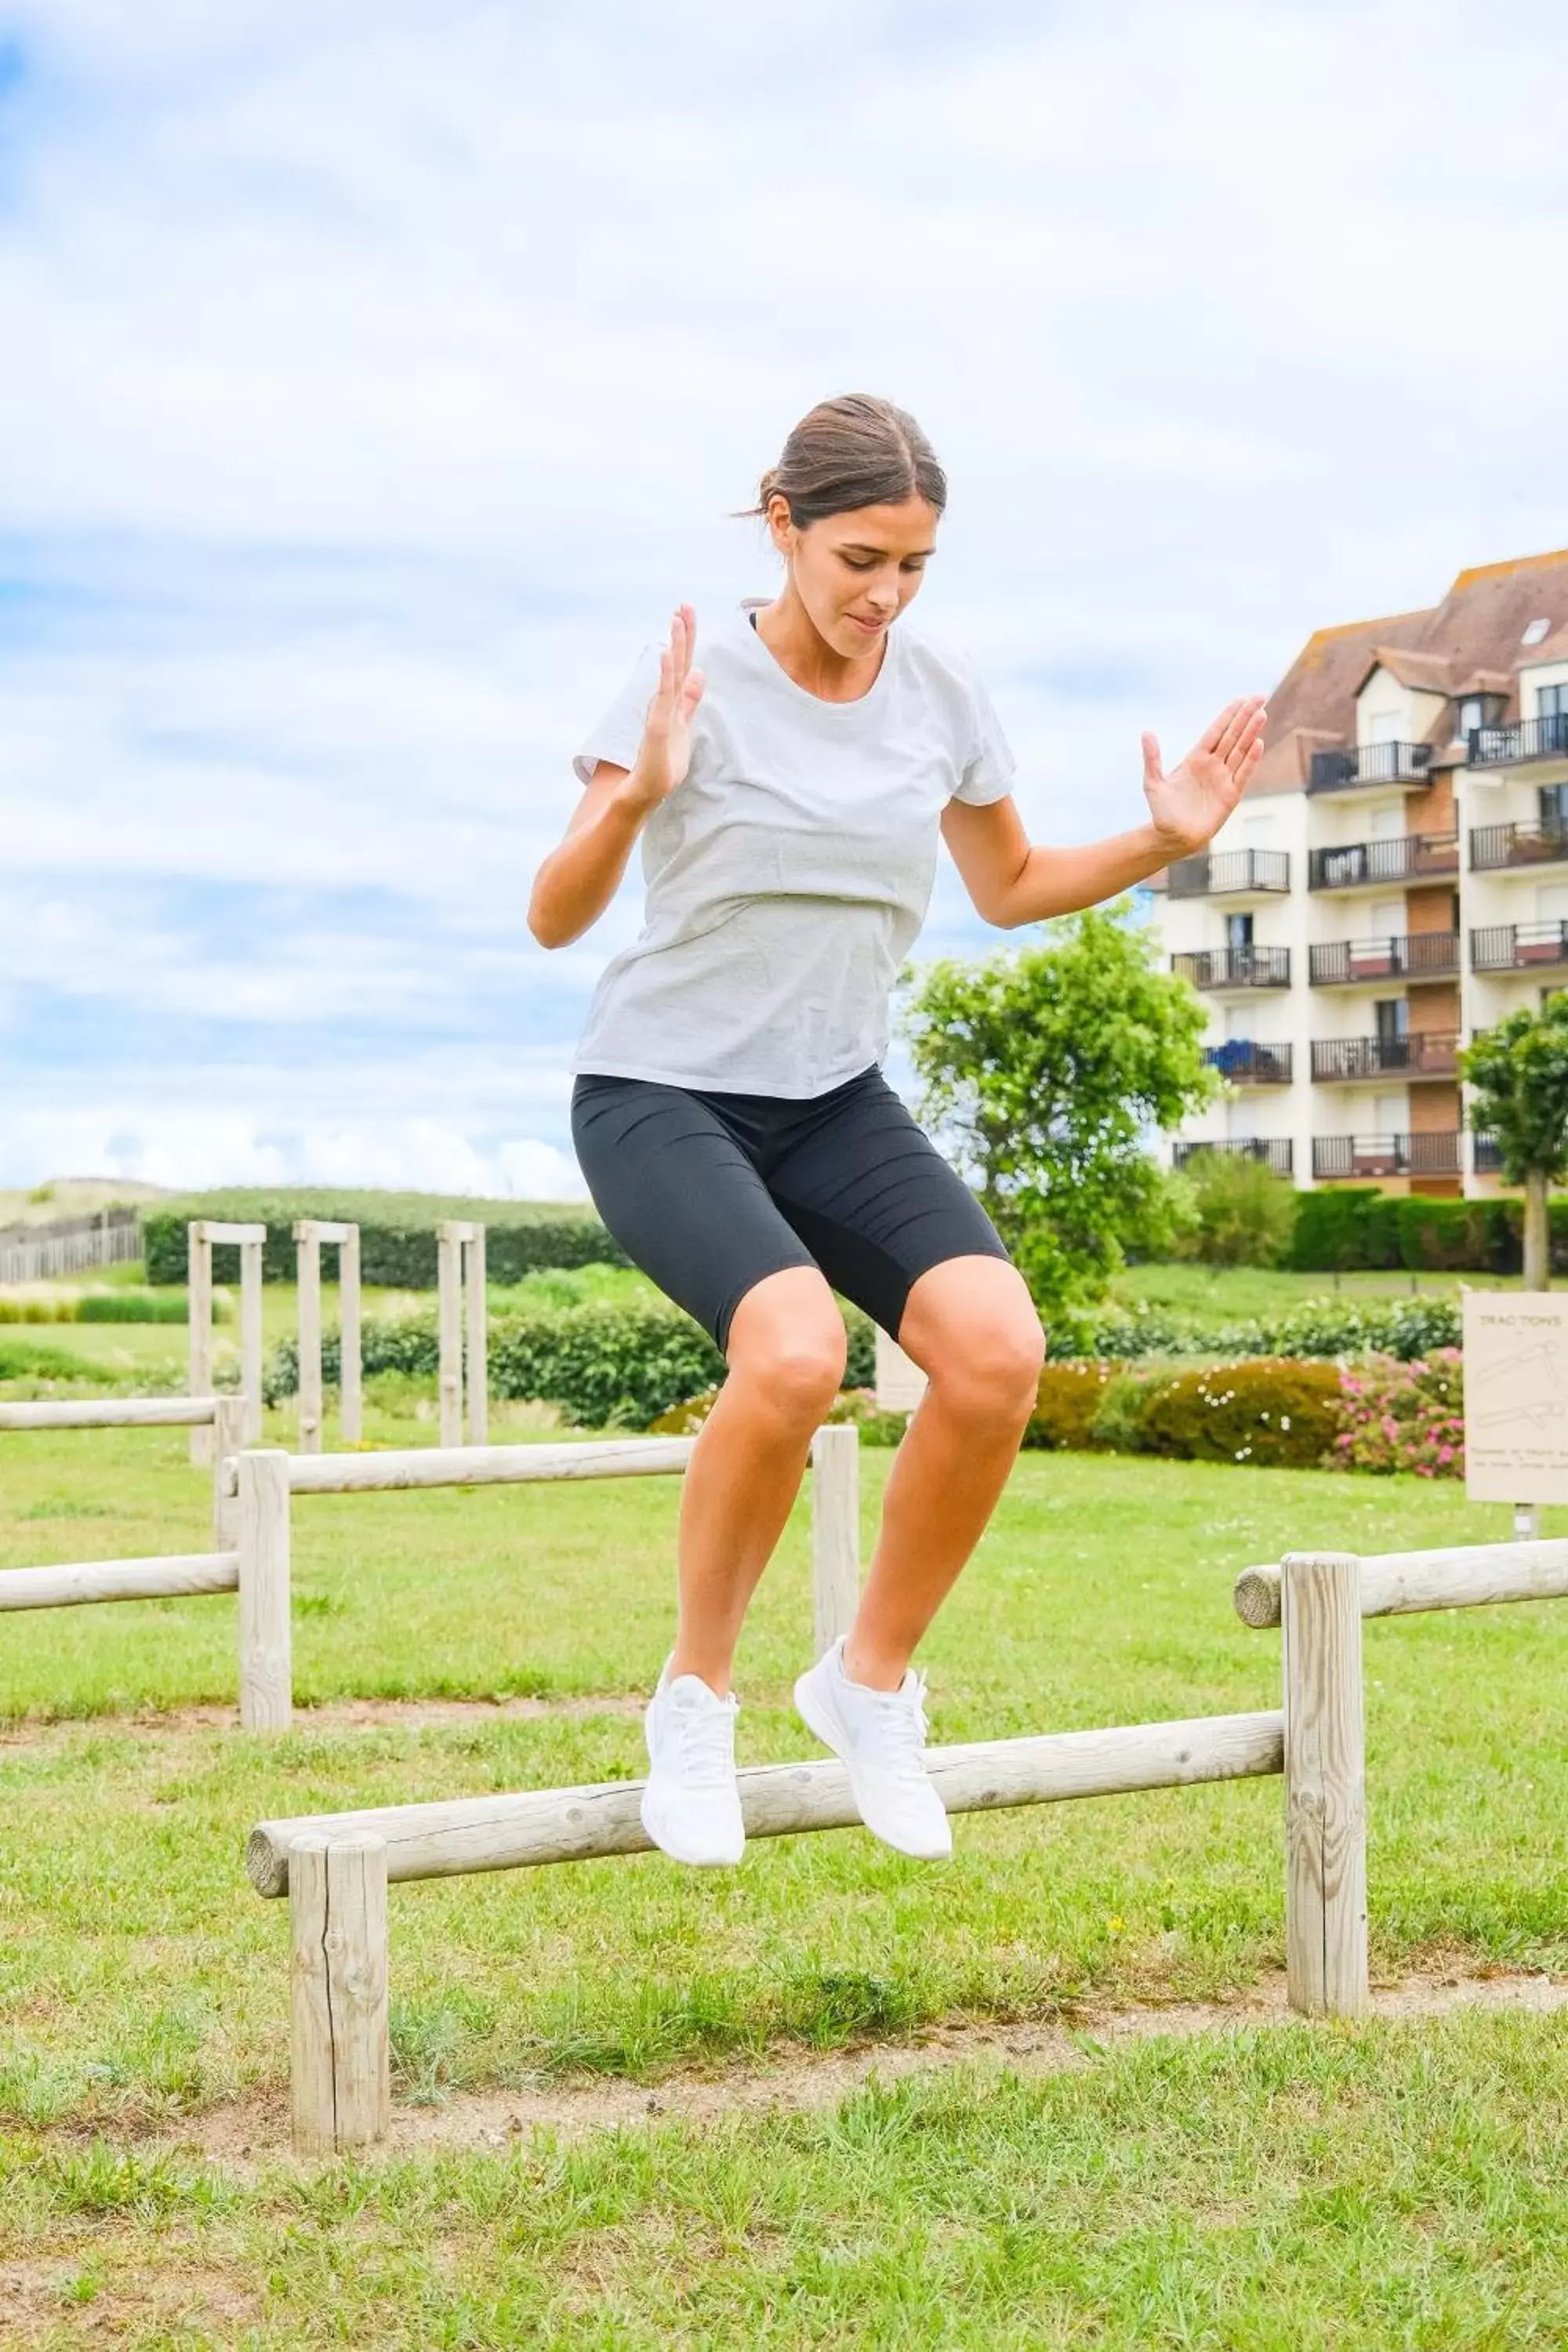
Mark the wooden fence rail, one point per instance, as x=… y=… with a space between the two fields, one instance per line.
x=70 y=1246
x=1404 y=1583
x=335 y=1867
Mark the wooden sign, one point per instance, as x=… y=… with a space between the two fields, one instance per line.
x=1516 y=1396
x=901 y=1383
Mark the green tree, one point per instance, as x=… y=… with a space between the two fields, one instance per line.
x=1045 y=1068
x=1246 y=1214
x=1518 y=1072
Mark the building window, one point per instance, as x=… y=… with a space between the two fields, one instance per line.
x=1551 y=701
x=1554 y=808
x=1469 y=713
x=1238 y=930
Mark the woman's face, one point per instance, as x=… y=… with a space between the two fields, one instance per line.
x=855 y=573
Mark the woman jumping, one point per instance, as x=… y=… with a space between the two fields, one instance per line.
x=729 y=1109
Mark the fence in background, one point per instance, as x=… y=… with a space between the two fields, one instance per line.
x=70 y=1246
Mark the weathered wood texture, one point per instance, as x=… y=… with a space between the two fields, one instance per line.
x=266 y=1668
x=835 y=1531
x=1325 y=1786
x=475 y=1369
x=69 y=1583
x=449 y=1325
x=486 y=1465
x=113 y=1412
x=228 y=1437
x=1402 y=1583
x=199 y=1331
x=307 y=1276
x=338 y=1985
x=250 y=1345
x=351 y=1393
x=232 y=1236
x=547 y=1825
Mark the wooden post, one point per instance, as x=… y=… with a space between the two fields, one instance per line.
x=448 y=1254
x=1325 y=1785
x=266 y=1674
x=199 y=1311
x=478 y=1366
x=250 y=1335
x=350 y=1410
x=338 y=1993
x=228 y=1437
x=835 y=1531
x=308 y=1259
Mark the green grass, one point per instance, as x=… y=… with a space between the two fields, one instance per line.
x=1218 y=1292
x=1299 y=2190
x=1335 y=2188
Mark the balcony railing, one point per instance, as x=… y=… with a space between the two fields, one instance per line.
x=1519 y=947
x=1245 y=1064
x=1494 y=846
x=1422 y=1053
x=1353 y=768
x=1335 y=1156
x=1235 y=967
x=1274 y=1151
x=1488 y=1153
x=1407 y=858
x=1526 y=739
x=1222 y=873
x=1413 y=955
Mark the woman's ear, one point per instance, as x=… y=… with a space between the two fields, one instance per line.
x=781 y=530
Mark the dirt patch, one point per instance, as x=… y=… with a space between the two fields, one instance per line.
x=796 y=2081
x=333 y=1715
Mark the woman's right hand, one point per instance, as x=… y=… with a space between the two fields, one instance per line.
x=664 y=755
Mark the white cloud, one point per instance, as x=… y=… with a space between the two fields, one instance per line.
x=385 y=374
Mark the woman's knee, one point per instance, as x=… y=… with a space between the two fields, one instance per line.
x=984 y=1352
x=787 y=1341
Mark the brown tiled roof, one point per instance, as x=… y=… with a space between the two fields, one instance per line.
x=1473 y=635
x=1316 y=696
x=1426 y=673
x=1554 y=649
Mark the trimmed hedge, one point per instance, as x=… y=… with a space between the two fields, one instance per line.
x=397 y=1235
x=859 y=1405
x=1317 y=1327
x=1358 y=1229
x=608 y=1365
x=1276 y=1413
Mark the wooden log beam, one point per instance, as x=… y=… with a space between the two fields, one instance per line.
x=351 y=1387
x=231 y=1237
x=338 y=1984
x=1404 y=1583
x=74 y=1581
x=266 y=1653
x=307 y=1276
x=1325 y=1787
x=113 y=1412
x=835 y=1531
x=485 y=1466
x=546 y=1825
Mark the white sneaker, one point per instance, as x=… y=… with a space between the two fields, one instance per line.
x=878 y=1736
x=690 y=1806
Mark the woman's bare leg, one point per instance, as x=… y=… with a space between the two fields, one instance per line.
x=971 y=1326
x=786 y=1353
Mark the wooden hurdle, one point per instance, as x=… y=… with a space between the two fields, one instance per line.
x=250 y=1531
x=335 y=1867
x=1405 y=1583
x=460 y=1284
x=310 y=1234
x=202 y=1236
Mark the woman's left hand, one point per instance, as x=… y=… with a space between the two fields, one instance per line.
x=1192 y=803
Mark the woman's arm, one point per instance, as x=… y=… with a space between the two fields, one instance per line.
x=577 y=881
x=1012 y=882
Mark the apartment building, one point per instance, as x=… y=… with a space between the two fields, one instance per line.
x=1395 y=880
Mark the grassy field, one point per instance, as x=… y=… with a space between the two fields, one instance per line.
x=1391 y=2184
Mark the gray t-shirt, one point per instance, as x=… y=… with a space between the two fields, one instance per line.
x=788 y=874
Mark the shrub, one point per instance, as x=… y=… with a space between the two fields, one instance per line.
x=856 y=1405
x=397 y=1235
x=1341 y=1326
x=609 y=1364
x=1402 y=1416
x=1066 y=1405
x=1271 y=1412
x=1246 y=1214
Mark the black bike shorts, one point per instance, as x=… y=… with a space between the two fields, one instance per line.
x=709 y=1192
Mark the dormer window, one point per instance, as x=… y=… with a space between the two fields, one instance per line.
x=1477 y=710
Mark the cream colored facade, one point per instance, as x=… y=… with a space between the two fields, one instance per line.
x=1348 y=937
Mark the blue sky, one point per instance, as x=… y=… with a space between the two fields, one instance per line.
x=374 y=379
